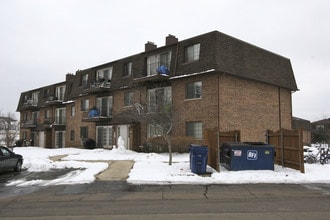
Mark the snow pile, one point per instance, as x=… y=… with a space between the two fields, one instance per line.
x=152 y=168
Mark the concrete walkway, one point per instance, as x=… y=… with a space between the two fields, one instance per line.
x=117 y=170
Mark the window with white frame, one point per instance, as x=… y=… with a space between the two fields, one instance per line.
x=47 y=114
x=194 y=129
x=84 y=132
x=60 y=116
x=319 y=127
x=159 y=63
x=35 y=116
x=128 y=99
x=155 y=130
x=84 y=105
x=127 y=69
x=192 y=52
x=59 y=92
x=73 y=111
x=104 y=76
x=104 y=105
x=72 y=135
x=35 y=98
x=159 y=98
x=194 y=90
x=84 y=80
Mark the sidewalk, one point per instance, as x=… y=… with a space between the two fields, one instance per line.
x=117 y=170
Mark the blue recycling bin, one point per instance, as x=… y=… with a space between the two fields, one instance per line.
x=198 y=158
x=247 y=156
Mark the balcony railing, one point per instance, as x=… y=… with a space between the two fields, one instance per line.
x=29 y=104
x=29 y=123
x=160 y=68
x=95 y=116
x=99 y=86
x=60 y=120
x=53 y=100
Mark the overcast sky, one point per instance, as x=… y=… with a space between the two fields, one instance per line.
x=42 y=40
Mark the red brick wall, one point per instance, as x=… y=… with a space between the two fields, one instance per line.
x=252 y=107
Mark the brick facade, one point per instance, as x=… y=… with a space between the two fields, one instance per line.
x=243 y=87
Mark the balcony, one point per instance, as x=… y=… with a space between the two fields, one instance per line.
x=151 y=78
x=29 y=123
x=95 y=116
x=53 y=100
x=30 y=105
x=60 y=120
x=98 y=86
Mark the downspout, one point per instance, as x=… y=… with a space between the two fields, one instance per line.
x=218 y=112
x=279 y=109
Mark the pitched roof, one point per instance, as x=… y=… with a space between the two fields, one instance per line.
x=322 y=122
x=242 y=59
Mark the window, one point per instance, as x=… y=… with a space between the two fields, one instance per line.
x=60 y=91
x=84 y=105
x=154 y=130
x=104 y=76
x=127 y=69
x=60 y=114
x=83 y=132
x=194 y=129
x=35 y=116
x=194 y=90
x=47 y=114
x=72 y=135
x=191 y=53
x=128 y=99
x=159 y=64
x=159 y=98
x=104 y=105
x=73 y=111
x=84 y=80
x=25 y=116
x=35 y=98
x=319 y=127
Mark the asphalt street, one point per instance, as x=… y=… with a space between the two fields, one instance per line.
x=119 y=200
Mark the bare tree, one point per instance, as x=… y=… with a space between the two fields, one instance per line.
x=163 y=117
x=158 y=113
x=8 y=128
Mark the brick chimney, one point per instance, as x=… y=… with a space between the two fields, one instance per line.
x=171 y=39
x=150 y=46
x=69 y=76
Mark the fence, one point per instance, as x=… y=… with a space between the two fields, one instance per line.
x=288 y=147
x=214 y=139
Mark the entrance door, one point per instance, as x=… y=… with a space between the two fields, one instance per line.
x=123 y=131
x=104 y=137
x=60 y=139
x=41 y=139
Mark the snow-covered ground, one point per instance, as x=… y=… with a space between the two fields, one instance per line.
x=152 y=168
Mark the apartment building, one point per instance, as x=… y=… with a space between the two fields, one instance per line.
x=322 y=126
x=9 y=131
x=210 y=81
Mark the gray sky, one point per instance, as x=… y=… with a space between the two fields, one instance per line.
x=42 y=40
